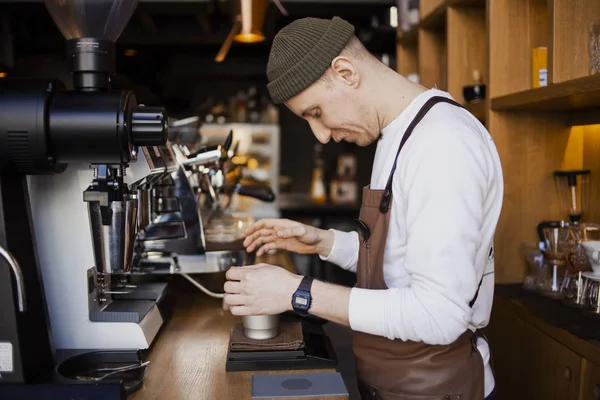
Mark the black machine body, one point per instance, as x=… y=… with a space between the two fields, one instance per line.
x=43 y=129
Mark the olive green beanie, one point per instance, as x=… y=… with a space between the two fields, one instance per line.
x=301 y=53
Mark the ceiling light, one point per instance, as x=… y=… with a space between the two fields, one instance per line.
x=248 y=22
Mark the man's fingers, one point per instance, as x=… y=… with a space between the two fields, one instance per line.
x=252 y=237
x=236 y=273
x=233 y=287
x=254 y=266
x=265 y=248
x=241 y=310
x=274 y=245
x=236 y=299
x=269 y=223
x=260 y=224
x=261 y=232
x=292 y=232
x=261 y=241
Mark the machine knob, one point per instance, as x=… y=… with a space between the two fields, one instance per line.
x=149 y=126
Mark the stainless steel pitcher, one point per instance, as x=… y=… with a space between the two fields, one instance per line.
x=113 y=244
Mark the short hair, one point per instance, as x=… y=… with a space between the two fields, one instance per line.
x=353 y=49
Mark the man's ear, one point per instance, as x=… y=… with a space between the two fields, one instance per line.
x=346 y=71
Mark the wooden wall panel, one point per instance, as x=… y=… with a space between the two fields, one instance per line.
x=573 y=158
x=571 y=22
x=407 y=60
x=515 y=27
x=531 y=147
x=467 y=48
x=432 y=59
x=591 y=160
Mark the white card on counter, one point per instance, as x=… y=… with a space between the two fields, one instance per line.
x=298 y=385
x=6 y=357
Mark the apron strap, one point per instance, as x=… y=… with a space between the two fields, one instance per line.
x=474 y=299
x=384 y=206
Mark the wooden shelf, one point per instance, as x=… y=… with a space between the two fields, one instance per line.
x=465 y=3
x=436 y=19
x=576 y=94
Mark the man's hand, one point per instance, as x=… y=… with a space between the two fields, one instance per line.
x=265 y=289
x=287 y=235
x=260 y=289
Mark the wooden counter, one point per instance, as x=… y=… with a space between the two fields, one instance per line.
x=188 y=357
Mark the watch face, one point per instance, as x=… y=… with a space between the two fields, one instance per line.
x=302 y=301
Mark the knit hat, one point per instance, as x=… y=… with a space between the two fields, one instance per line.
x=301 y=53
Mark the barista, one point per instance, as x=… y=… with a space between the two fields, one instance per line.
x=423 y=250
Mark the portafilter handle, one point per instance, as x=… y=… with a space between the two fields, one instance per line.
x=260 y=192
x=228 y=141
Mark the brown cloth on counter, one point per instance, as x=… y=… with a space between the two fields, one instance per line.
x=289 y=338
x=225 y=246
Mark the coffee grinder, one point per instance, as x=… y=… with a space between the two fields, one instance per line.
x=66 y=209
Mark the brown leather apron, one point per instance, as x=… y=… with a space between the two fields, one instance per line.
x=405 y=370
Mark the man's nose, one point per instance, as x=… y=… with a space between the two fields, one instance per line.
x=322 y=133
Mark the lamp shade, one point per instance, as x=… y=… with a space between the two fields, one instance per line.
x=252 y=18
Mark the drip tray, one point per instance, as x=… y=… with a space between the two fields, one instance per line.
x=123 y=311
x=97 y=363
x=318 y=353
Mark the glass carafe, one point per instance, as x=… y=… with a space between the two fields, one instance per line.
x=534 y=257
x=558 y=243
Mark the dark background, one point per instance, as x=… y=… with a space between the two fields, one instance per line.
x=175 y=45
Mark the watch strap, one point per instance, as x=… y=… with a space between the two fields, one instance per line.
x=306 y=284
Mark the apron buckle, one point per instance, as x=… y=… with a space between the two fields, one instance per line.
x=372 y=393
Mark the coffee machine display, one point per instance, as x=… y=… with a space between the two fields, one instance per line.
x=69 y=163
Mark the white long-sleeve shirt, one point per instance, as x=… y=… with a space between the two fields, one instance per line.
x=447 y=197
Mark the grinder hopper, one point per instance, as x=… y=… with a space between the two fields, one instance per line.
x=91 y=28
x=100 y=19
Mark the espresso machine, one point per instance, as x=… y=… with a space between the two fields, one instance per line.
x=69 y=165
x=184 y=203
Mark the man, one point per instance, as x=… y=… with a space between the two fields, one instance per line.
x=423 y=251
